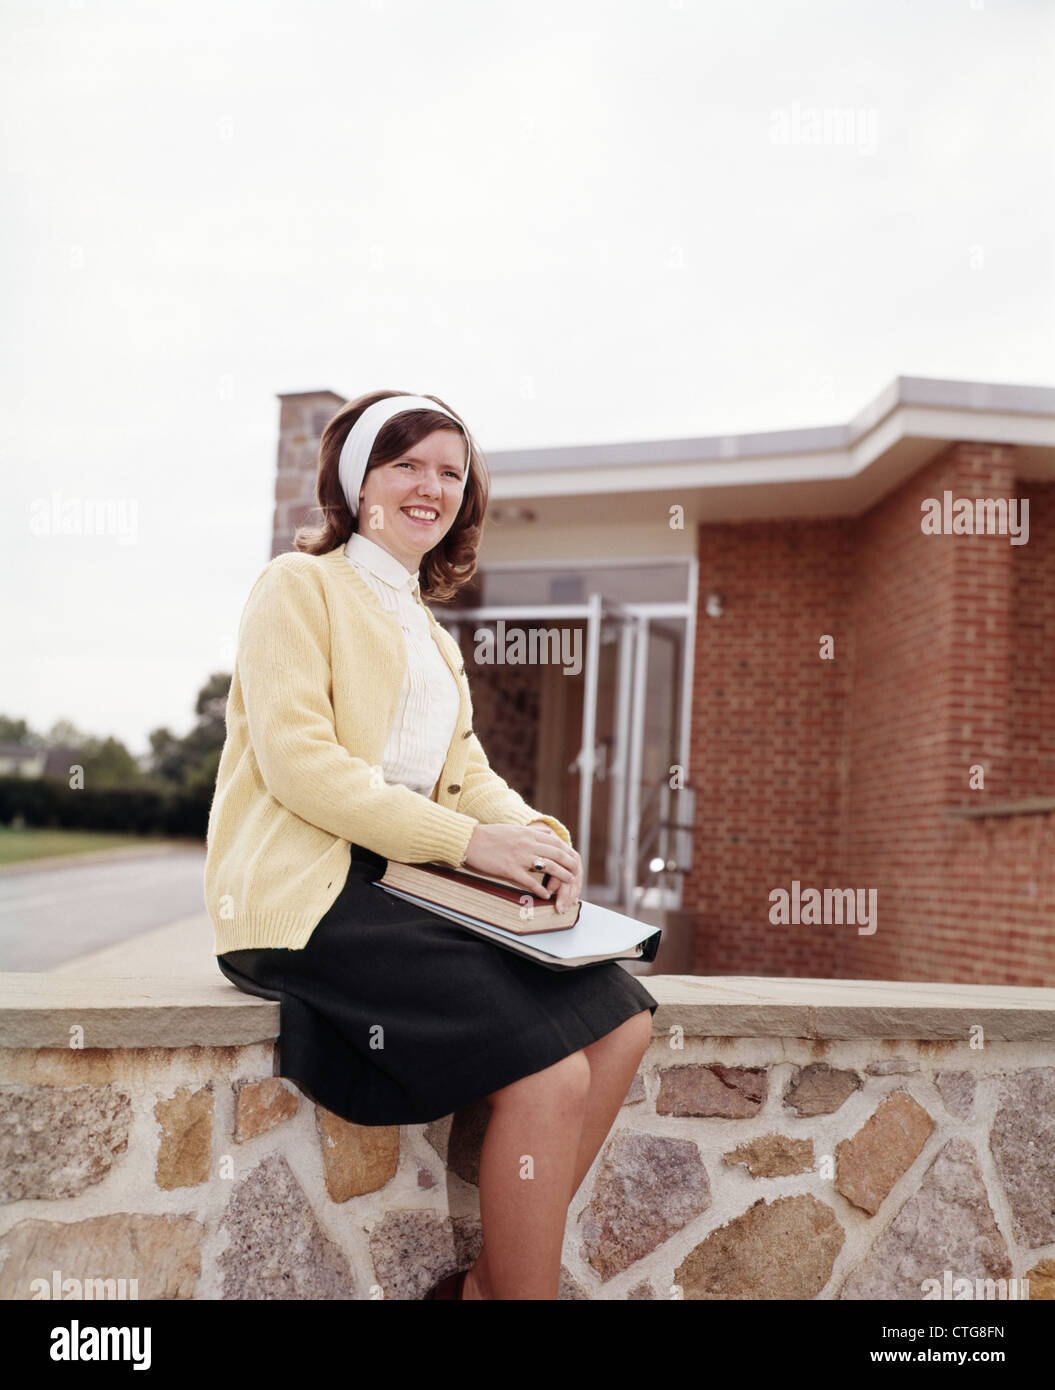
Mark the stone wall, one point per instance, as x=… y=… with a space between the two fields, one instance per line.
x=783 y=1139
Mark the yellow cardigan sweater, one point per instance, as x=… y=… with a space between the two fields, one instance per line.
x=318 y=671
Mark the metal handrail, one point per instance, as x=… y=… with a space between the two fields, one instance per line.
x=647 y=837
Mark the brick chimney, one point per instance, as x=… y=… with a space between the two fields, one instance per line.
x=303 y=418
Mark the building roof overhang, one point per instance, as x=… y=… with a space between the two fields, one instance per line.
x=832 y=470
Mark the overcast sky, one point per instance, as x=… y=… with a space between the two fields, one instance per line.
x=577 y=222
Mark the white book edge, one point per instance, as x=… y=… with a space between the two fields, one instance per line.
x=599 y=939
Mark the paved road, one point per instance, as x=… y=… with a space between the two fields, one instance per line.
x=59 y=912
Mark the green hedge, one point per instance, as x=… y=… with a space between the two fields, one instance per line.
x=49 y=802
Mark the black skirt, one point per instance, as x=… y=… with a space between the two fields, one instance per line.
x=393 y=1015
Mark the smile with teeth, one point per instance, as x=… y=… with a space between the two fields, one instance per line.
x=421 y=514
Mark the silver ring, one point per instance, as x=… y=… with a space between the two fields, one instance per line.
x=538 y=866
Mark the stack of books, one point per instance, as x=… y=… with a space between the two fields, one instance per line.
x=512 y=916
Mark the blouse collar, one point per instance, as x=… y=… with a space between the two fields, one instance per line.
x=380 y=563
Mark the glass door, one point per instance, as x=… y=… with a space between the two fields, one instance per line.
x=551 y=702
x=602 y=768
x=660 y=806
x=579 y=708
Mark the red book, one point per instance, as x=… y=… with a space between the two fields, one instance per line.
x=496 y=901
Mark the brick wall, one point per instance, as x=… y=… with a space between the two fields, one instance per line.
x=1033 y=648
x=767 y=737
x=840 y=773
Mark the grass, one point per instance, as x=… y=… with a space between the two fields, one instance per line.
x=32 y=843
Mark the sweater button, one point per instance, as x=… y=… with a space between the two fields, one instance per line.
x=462 y=671
x=454 y=787
x=468 y=733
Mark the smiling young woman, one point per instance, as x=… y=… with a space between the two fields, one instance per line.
x=410 y=503
x=449 y=558
x=342 y=673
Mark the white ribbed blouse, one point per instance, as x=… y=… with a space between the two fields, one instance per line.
x=427 y=713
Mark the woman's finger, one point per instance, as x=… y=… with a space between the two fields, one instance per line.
x=564 y=865
x=558 y=852
x=569 y=895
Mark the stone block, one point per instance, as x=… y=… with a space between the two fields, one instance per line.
x=819 y=1089
x=1042 y=1280
x=355 y=1158
x=648 y=1186
x=731 y=1093
x=1022 y=1141
x=185 y=1152
x=260 y=1106
x=956 y=1089
x=885 y=1147
x=773 y=1156
x=781 y=1249
x=947 y=1225
x=161 y=1253
x=276 y=1247
x=412 y=1250
x=57 y=1140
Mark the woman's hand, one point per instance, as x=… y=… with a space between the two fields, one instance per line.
x=510 y=851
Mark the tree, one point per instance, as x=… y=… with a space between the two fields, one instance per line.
x=191 y=761
x=17 y=731
x=65 y=734
x=166 y=756
x=108 y=763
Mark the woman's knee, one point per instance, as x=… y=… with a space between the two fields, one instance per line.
x=633 y=1036
x=568 y=1079
x=643 y=1029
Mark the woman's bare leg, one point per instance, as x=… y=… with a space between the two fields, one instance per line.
x=613 y=1061
x=527 y=1167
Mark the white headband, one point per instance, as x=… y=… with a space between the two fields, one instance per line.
x=355 y=454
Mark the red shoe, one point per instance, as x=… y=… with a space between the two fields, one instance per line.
x=451 y=1287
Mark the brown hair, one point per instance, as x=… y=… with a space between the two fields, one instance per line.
x=452 y=561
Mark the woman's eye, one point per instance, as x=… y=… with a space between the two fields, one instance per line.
x=406 y=463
